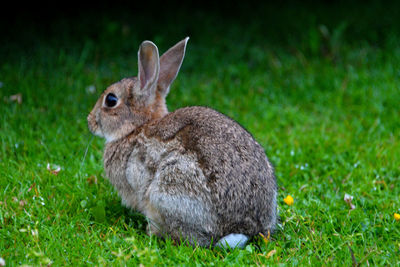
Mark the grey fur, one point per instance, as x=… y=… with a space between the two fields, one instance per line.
x=195 y=173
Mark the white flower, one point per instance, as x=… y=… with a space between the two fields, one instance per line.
x=16 y=98
x=348 y=198
x=91 y=89
x=34 y=232
x=54 y=169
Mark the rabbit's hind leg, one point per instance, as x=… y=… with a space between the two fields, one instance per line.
x=179 y=195
x=183 y=218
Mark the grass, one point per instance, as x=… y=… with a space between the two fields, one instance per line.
x=317 y=85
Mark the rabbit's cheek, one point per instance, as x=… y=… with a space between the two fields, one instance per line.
x=116 y=126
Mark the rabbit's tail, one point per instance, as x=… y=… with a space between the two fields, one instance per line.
x=233 y=241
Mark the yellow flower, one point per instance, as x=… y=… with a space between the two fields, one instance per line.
x=396 y=216
x=288 y=200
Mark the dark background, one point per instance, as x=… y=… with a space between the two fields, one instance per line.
x=280 y=23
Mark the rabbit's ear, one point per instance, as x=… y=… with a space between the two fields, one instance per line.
x=170 y=63
x=149 y=67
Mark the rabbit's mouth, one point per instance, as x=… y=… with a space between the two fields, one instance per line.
x=94 y=126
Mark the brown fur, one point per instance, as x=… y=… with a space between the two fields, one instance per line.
x=238 y=173
x=195 y=173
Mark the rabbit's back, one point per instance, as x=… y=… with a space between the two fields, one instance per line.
x=236 y=170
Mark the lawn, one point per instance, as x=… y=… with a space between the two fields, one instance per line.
x=318 y=85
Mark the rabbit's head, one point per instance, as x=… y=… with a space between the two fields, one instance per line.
x=132 y=102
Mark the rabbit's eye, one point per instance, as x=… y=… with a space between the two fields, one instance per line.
x=111 y=100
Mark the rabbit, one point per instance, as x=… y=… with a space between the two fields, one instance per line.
x=196 y=174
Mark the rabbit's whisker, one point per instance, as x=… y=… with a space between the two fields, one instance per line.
x=86 y=150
